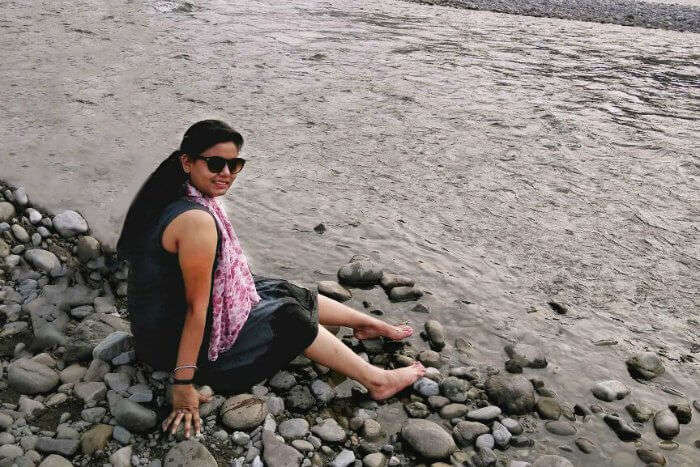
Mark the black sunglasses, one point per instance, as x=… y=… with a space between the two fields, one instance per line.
x=216 y=164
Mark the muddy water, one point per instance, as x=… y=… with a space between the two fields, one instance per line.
x=502 y=161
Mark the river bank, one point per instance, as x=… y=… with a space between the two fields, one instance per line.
x=683 y=16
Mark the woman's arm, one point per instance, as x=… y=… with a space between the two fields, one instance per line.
x=196 y=248
x=195 y=238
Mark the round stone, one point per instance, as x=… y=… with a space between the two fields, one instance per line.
x=243 y=412
x=427 y=438
x=69 y=224
x=552 y=461
x=189 y=453
x=43 y=260
x=294 y=428
x=512 y=393
x=329 y=431
x=30 y=377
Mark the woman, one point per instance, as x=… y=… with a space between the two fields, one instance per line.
x=198 y=312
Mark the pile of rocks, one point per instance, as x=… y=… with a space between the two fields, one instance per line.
x=72 y=393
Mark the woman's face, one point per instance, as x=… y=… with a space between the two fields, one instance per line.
x=209 y=183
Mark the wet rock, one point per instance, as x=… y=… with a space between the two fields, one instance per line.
x=360 y=273
x=552 y=461
x=7 y=212
x=133 y=416
x=343 y=459
x=371 y=429
x=512 y=425
x=455 y=389
x=295 y=428
x=645 y=365
x=189 y=453
x=8 y=453
x=282 y=381
x=322 y=391
x=561 y=428
x=243 y=412
x=113 y=345
x=451 y=411
x=426 y=387
x=300 y=399
x=512 y=393
x=484 y=414
x=428 y=439
x=548 y=408
x=64 y=447
x=416 y=410
x=89 y=333
x=527 y=355
x=640 y=411
x=465 y=433
x=682 y=411
x=501 y=435
x=329 y=431
x=375 y=459
x=437 y=402
x=69 y=224
x=666 y=424
x=54 y=460
x=485 y=441
x=585 y=445
x=30 y=377
x=121 y=457
x=90 y=392
x=405 y=294
x=278 y=454
x=87 y=248
x=622 y=429
x=436 y=334
x=43 y=260
x=485 y=457
x=95 y=438
x=334 y=290
x=389 y=281
x=430 y=358
x=650 y=457
x=609 y=391
x=20 y=233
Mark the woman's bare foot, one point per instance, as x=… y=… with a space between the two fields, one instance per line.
x=375 y=328
x=389 y=382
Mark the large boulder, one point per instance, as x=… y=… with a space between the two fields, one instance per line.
x=31 y=377
x=513 y=394
x=428 y=439
x=243 y=412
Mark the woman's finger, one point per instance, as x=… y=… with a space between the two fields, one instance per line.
x=168 y=419
x=188 y=424
x=176 y=422
x=197 y=423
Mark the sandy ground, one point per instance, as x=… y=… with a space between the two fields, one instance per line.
x=502 y=161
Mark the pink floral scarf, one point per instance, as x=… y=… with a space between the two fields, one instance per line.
x=233 y=292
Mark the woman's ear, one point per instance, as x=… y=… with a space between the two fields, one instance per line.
x=186 y=162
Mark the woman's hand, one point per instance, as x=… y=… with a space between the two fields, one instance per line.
x=186 y=401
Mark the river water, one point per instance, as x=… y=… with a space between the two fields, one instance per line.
x=503 y=161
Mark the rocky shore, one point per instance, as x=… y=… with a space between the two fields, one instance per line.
x=624 y=12
x=72 y=393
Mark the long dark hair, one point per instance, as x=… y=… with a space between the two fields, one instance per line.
x=166 y=183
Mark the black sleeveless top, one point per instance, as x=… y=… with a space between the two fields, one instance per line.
x=156 y=295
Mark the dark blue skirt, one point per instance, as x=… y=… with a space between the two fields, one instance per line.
x=279 y=328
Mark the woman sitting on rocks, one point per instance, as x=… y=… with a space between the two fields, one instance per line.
x=198 y=312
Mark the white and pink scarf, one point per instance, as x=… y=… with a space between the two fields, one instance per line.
x=233 y=292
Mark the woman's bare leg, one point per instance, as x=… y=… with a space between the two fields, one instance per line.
x=334 y=313
x=329 y=351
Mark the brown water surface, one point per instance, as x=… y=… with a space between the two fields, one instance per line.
x=502 y=161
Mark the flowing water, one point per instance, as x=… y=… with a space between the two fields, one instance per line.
x=502 y=161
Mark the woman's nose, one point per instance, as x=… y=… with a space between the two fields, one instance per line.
x=226 y=170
